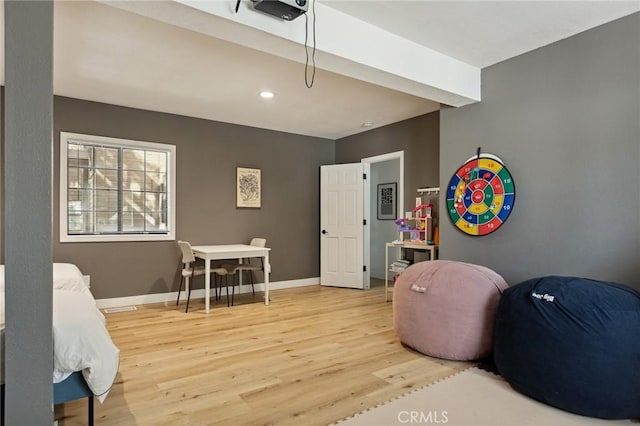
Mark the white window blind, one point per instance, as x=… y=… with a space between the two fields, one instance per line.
x=116 y=189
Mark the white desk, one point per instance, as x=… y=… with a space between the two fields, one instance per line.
x=231 y=251
x=433 y=255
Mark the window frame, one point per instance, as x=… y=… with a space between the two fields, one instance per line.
x=78 y=138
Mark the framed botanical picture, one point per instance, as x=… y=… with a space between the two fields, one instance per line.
x=387 y=195
x=248 y=188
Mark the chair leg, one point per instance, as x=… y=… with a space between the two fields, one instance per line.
x=226 y=283
x=188 y=298
x=179 y=289
x=215 y=287
x=219 y=278
x=253 y=289
x=233 y=286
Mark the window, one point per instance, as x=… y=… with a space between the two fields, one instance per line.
x=116 y=189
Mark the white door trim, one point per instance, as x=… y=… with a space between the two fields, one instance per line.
x=367 y=208
x=366 y=196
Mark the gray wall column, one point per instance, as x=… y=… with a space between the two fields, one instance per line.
x=28 y=211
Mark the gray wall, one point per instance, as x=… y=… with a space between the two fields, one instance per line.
x=418 y=137
x=381 y=231
x=208 y=153
x=565 y=119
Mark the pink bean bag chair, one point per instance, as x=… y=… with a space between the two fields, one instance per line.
x=447 y=309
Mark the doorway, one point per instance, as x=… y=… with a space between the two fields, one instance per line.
x=383 y=169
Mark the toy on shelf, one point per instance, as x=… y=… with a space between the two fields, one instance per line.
x=414 y=236
x=423 y=210
x=415 y=228
x=402 y=225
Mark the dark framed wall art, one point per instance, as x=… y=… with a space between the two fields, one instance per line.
x=387 y=197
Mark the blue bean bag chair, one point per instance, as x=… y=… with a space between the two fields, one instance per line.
x=572 y=343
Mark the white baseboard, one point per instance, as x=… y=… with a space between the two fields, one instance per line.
x=168 y=297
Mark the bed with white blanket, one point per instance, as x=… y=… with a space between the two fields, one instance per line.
x=81 y=342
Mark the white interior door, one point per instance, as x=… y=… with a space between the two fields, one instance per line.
x=341 y=226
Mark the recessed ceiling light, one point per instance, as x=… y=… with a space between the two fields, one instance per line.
x=266 y=94
x=367 y=124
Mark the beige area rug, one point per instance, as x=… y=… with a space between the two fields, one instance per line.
x=472 y=397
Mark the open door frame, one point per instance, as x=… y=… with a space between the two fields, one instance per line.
x=366 y=165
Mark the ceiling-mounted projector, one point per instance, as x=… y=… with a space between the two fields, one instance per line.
x=284 y=9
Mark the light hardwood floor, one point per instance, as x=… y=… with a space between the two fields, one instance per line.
x=312 y=357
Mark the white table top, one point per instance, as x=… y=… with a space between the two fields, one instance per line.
x=226 y=251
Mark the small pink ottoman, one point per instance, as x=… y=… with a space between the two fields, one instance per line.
x=447 y=309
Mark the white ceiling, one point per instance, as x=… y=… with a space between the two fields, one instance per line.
x=483 y=33
x=176 y=57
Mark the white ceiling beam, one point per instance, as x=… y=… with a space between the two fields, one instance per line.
x=344 y=45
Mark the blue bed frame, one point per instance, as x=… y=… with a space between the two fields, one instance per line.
x=72 y=388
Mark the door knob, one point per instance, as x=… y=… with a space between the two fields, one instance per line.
x=324 y=231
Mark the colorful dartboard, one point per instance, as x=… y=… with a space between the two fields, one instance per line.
x=480 y=195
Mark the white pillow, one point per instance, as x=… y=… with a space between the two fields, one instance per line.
x=66 y=276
